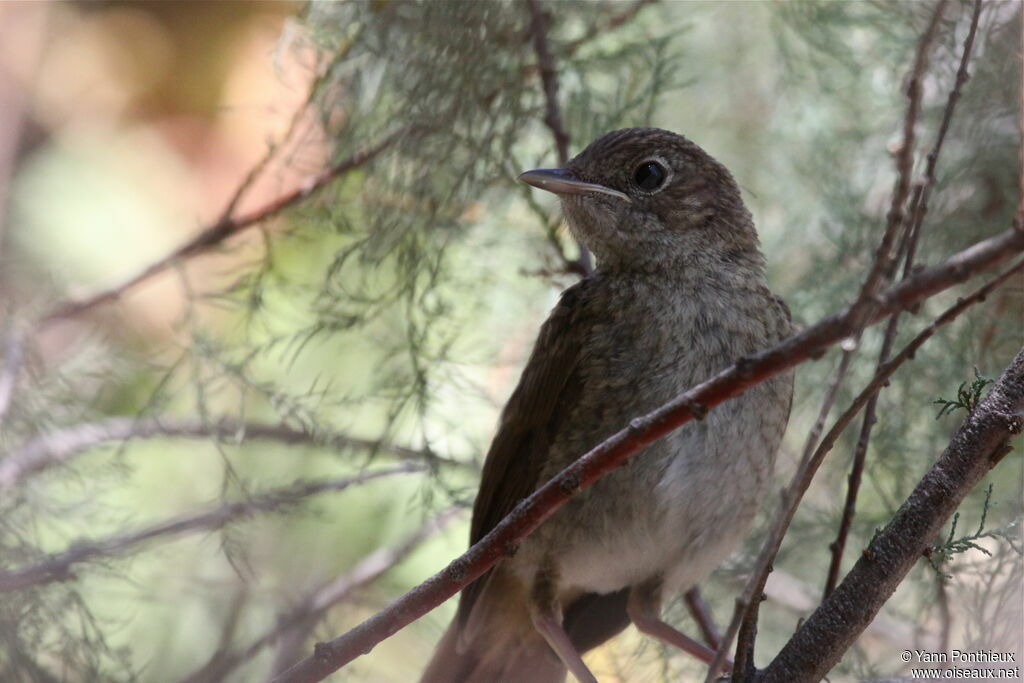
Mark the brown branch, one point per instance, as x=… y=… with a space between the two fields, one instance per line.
x=57 y=567
x=217 y=233
x=317 y=602
x=962 y=75
x=801 y=480
x=60 y=446
x=978 y=445
x=553 y=113
x=920 y=210
x=503 y=538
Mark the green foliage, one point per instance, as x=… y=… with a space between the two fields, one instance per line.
x=941 y=554
x=967 y=396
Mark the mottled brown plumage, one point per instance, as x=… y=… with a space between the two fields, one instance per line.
x=679 y=293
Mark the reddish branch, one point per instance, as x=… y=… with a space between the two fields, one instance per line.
x=978 y=445
x=60 y=446
x=918 y=212
x=611 y=453
x=58 y=567
x=216 y=234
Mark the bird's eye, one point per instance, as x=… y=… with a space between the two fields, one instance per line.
x=649 y=176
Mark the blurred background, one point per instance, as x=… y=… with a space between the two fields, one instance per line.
x=279 y=430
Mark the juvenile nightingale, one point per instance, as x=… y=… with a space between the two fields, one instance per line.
x=678 y=294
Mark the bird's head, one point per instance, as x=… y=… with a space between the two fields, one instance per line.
x=646 y=198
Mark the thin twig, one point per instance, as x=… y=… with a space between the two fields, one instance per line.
x=904 y=166
x=257 y=169
x=702 y=615
x=57 y=567
x=614 y=451
x=878 y=275
x=918 y=213
x=552 y=111
x=801 y=480
x=216 y=234
x=318 y=601
x=60 y=446
x=615 y=21
x=746 y=628
x=976 y=447
x=548 y=79
x=857 y=468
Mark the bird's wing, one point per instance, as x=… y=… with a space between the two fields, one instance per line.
x=546 y=391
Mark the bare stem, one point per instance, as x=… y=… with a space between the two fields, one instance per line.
x=317 y=602
x=216 y=234
x=62 y=445
x=57 y=567
x=919 y=211
x=552 y=112
x=904 y=165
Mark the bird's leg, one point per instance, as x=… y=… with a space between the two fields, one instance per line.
x=644 y=610
x=546 y=614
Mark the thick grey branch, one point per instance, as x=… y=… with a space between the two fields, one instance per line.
x=976 y=448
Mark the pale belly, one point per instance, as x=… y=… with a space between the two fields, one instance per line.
x=676 y=511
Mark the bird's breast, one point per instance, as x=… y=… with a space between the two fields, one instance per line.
x=683 y=503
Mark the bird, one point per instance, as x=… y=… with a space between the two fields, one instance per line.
x=679 y=292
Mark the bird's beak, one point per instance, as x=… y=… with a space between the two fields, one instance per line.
x=562 y=181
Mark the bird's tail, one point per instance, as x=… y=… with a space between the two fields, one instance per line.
x=497 y=642
x=493 y=640
x=503 y=656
